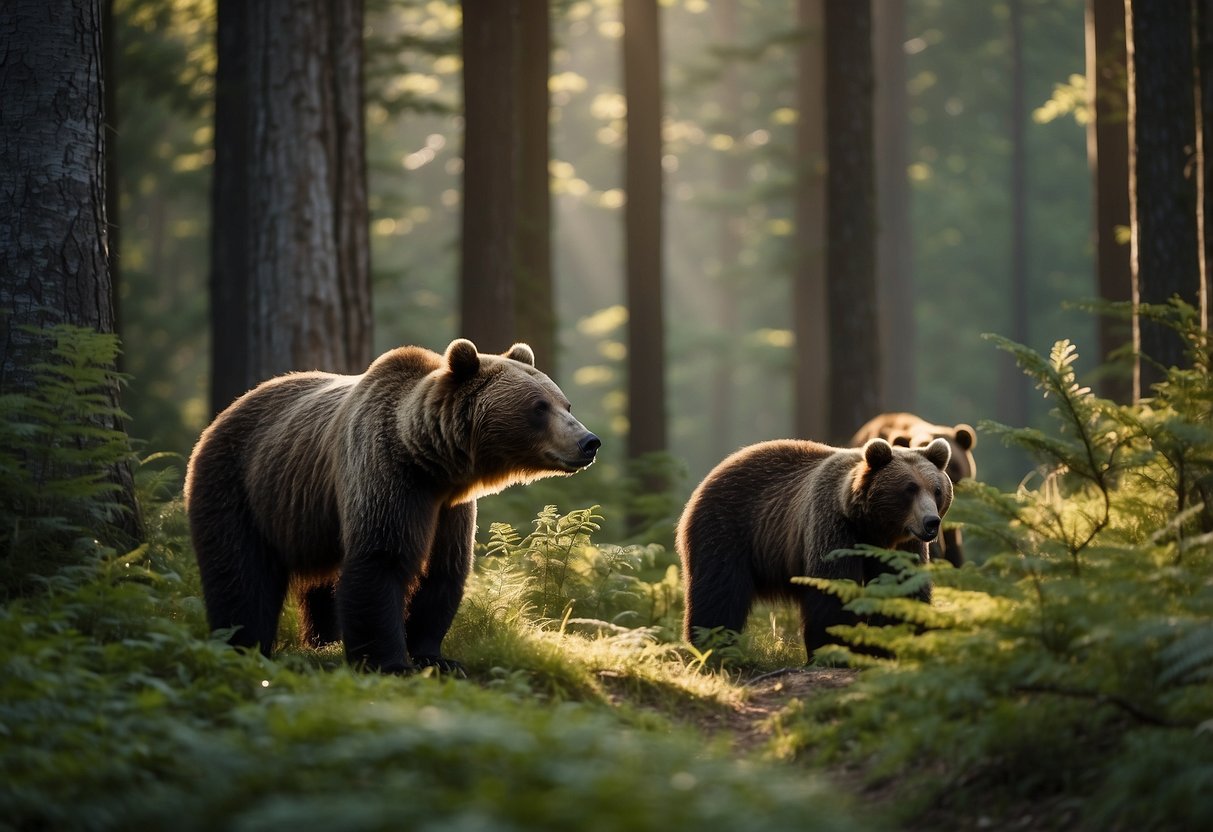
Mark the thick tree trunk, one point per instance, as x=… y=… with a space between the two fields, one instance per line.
x=809 y=319
x=291 y=272
x=490 y=173
x=854 y=369
x=230 y=232
x=1108 y=158
x=53 y=255
x=643 y=221
x=1163 y=193
x=536 y=303
x=894 y=249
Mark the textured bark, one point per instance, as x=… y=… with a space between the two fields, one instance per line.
x=894 y=247
x=536 y=312
x=291 y=254
x=53 y=255
x=854 y=369
x=1162 y=181
x=490 y=173
x=230 y=232
x=643 y=228
x=1108 y=158
x=1203 y=11
x=809 y=320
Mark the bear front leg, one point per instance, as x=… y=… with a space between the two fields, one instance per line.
x=377 y=573
x=432 y=607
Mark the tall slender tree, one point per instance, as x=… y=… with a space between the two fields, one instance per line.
x=894 y=249
x=1108 y=158
x=535 y=303
x=53 y=252
x=490 y=173
x=810 y=322
x=294 y=276
x=1163 y=192
x=854 y=371
x=1013 y=390
x=643 y=230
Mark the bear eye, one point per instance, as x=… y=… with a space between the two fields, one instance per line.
x=542 y=406
x=912 y=488
x=938 y=493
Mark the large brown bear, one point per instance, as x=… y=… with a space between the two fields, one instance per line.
x=773 y=511
x=909 y=431
x=360 y=491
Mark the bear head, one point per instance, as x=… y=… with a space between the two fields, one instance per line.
x=517 y=424
x=961 y=438
x=898 y=494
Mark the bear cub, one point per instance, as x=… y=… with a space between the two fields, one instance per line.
x=909 y=431
x=360 y=493
x=773 y=511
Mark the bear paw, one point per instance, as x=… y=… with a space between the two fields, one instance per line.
x=441 y=664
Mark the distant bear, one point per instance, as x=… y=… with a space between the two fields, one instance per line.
x=360 y=492
x=909 y=431
x=773 y=511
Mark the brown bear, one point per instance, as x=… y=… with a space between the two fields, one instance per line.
x=909 y=431
x=773 y=511
x=360 y=492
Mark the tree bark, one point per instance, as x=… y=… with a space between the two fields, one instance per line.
x=643 y=229
x=809 y=319
x=291 y=273
x=894 y=249
x=1163 y=193
x=490 y=173
x=536 y=312
x=854 y=368
x=1108 y=158
x=53 y=251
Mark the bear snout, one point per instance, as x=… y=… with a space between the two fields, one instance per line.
x=930 y=528
x=589 y=445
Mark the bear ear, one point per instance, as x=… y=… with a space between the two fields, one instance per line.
x=462 y=358
x=938 y=453
x=966 y=437
x=877 y=453
x=521 y=352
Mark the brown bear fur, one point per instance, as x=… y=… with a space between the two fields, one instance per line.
x=773 y=511
x=909 y=431
x=360 y=492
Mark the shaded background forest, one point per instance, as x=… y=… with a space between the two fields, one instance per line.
x=988 y=87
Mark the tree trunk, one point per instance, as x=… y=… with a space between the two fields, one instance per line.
x=731 y=175
x=1013 y=391
x=291 y=272
x=490 y=173
x=894 y=249
x=854 y=368
x=1163 y=194
x=230 y=232
x=643 y=228
x=1203 y=11
x=1108 y=158
x=536 y=312
x=810 y=321
x=53 y=255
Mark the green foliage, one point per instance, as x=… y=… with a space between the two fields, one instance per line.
x=58 y=451
x=1068 y=675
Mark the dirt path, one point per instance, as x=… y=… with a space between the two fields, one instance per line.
x=772 y=692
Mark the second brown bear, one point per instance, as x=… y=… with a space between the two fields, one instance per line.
x=775 y=510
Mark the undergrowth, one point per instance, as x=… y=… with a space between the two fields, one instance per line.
x=1066 y=683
